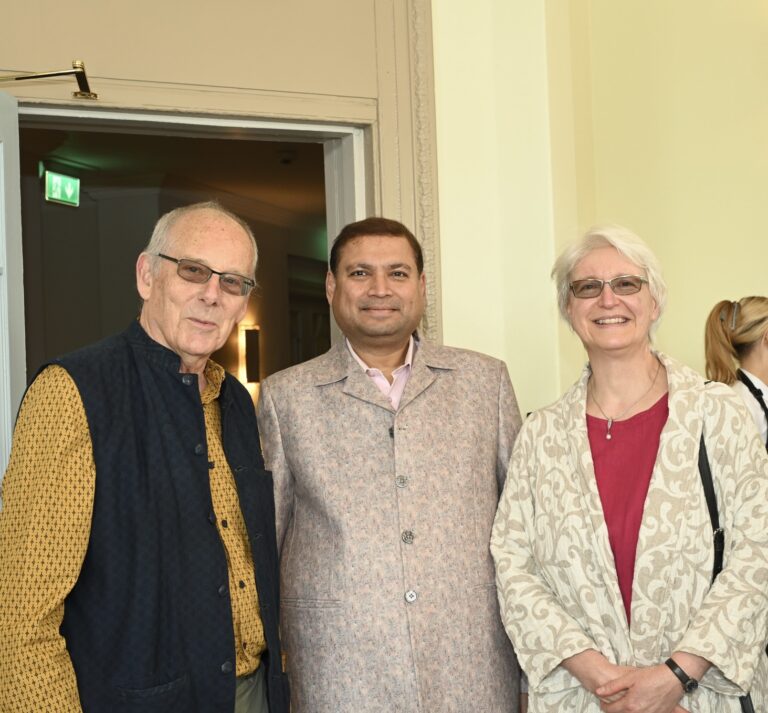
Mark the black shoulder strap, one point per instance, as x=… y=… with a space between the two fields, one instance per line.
x=757 y=393
x=709 y=493
x=718 y=538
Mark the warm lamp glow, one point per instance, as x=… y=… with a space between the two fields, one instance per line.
x=248 y=353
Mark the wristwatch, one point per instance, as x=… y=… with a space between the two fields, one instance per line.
x=689 y=684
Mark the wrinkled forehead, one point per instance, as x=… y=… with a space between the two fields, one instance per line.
x=206 y=234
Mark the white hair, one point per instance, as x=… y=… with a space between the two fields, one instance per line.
x=628 y=244
x=162 y=235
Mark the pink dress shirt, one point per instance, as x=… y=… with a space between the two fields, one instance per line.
x=400 y=376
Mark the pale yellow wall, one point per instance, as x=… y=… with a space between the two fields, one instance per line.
x=496 y=233
x=553 y=116
x=680 y=107
x=571 y=135
x=290 y=46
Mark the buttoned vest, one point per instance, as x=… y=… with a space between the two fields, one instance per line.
x=148 y=624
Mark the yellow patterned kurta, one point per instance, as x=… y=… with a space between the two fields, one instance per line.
x=48 y=493
x=555 y=571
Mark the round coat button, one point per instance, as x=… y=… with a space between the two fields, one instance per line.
x=407 y=537
x=199 y=449
x=187 y=379
x=222 y=590
x=227 y=667
x=410 y=596
x=401 y=481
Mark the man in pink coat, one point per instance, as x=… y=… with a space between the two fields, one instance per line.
x=388 y=455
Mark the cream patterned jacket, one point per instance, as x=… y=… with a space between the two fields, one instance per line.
x=555 y=572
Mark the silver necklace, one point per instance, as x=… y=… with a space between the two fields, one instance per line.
x=629 y=408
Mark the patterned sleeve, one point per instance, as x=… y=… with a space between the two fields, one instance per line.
x=45 y=523
x=542 y=632
x=731 y=626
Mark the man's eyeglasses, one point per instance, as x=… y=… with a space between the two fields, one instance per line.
x=622 y=285
x=192 y=271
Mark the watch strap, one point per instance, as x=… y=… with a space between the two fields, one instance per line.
x=689 y=684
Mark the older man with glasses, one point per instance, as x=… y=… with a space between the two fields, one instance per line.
x=138 y=566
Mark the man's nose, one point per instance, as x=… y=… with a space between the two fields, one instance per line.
x=212 y=289
x=379 y=284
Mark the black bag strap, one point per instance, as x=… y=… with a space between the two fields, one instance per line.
x=757 y=393
x=718 y=535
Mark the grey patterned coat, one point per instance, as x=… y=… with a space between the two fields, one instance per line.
x=557 y=580
x=384 y=518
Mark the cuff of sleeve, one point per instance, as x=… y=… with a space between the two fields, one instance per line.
x=724 y=676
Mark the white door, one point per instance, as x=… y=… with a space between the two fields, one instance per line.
x=12 y=351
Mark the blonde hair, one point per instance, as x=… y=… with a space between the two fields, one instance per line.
x=626 y=243
x=733 y=330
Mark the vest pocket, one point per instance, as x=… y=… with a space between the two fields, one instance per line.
x=171 y=697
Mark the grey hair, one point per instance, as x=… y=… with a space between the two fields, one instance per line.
x=162 y=235
x=628 y=244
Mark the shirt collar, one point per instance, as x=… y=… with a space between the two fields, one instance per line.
x=214 y=378
x=408 y=355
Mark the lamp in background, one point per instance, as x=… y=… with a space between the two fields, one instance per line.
x=248 y=347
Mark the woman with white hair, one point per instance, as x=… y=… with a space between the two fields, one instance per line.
x=603 y=540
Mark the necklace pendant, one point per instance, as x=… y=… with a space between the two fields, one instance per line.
x=608 y=436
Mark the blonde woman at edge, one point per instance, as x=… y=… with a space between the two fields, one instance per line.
x=602 y=540
x=737 y=332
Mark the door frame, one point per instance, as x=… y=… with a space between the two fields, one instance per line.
x=348 y=193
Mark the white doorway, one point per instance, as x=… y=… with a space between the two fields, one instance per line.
x=344 y=161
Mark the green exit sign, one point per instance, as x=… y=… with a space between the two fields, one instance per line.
x=62 y=189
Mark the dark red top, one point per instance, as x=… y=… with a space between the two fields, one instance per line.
x=623 y=467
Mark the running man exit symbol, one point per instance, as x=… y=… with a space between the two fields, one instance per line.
x=62 y=189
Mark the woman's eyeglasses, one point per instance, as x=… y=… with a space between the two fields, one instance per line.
x=622 y=285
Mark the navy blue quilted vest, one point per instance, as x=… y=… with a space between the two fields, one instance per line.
x=148 y=624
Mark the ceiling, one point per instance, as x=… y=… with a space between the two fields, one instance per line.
x=288 y=176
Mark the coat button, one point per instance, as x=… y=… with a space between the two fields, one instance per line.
x=401 y=481
x=187 y=379
x=212 y=517
x=407 y=537
x=222 y=590
x=227 y=667
x=391 y=431
x=410 y=596
x=199 y=449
